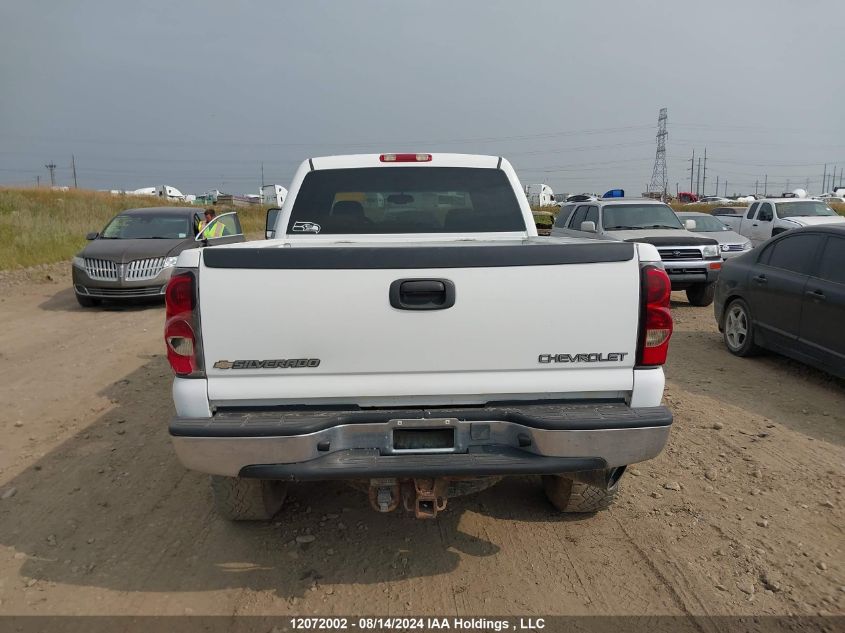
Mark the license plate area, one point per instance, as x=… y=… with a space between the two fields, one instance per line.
x=423 y=440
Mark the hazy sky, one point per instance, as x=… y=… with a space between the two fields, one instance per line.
x=195 y=94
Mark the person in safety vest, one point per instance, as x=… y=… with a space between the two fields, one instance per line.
x=215 y=230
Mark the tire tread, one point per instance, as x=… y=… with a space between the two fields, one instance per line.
x=240 y=499
x=570 y=495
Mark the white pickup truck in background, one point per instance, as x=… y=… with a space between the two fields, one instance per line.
x=770 y=216
x=389 y=336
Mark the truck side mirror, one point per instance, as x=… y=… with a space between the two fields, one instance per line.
x=93 y=235
x=270 y=224
x=588 y=226
x=689 y=225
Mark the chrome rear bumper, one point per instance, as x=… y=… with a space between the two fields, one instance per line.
x=582 y=437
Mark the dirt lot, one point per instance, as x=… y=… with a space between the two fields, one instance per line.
x=742 y=514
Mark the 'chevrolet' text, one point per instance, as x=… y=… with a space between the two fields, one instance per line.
x=593 y=357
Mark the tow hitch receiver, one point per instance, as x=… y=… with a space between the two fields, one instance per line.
x=425 y=497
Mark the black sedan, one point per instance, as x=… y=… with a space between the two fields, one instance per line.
x=788 y=296
x=134 y=255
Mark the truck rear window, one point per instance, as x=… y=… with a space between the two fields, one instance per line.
x=405 y=200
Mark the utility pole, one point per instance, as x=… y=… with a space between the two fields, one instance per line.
x=73 y=167
x=262 y=174
x=726 y=188
x=756 y=187
x=704 y=173
x=51 y=167
x=717 y=185
x=698 y=178
x=691 y=169
x=824 y=179
x=38 y=181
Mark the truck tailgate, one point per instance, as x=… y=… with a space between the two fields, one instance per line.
x=322 y=317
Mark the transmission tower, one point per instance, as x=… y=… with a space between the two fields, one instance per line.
x=658 y=176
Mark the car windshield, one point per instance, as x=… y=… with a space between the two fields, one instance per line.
x=147 y=226
x=627 y=217
x=804 y=209
x=705 y=223
x=382 y=200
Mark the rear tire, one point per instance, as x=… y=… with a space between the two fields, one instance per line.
x=701 y=294
x=87 y=302
x=589 y=491
x=738 y=330
x=240 y=499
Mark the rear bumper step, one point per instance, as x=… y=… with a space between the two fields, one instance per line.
x=368 y=463
x=529 y=439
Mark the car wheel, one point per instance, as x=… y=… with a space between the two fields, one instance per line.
x=738 y=330
x=240 y=499
x=588 y=491
x=87 y=302
x=701 y=294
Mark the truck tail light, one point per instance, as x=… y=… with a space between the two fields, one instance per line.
x=655 y=318
x=405 y=158
x=181 y=326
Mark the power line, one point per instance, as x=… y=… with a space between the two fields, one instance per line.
x=369 y=143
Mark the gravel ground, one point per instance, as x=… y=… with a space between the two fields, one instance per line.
x=741 y=514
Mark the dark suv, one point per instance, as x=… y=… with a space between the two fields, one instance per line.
x=134 y=255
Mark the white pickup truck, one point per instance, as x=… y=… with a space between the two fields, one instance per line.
x=409 y=332
x=770 y=216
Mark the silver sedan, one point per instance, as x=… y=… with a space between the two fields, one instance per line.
x=706 y=225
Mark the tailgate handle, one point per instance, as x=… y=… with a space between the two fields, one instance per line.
x=422 y=294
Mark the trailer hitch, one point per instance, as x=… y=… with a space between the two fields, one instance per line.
x=425 y=497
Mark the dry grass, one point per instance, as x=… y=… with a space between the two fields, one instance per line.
x=41 y=226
